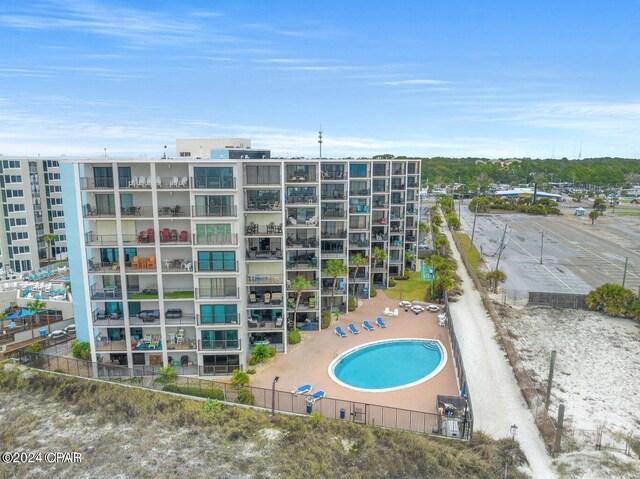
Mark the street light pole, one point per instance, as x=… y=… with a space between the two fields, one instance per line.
x=273 y=396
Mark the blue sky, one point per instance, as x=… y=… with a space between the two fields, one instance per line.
x=495 y=79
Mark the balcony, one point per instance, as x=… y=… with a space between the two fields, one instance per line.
x=102 y=319
x=333 y=213
x=105 y=293
x=171 y=236
x=303 y=261
x=359 y=209
x=136 y=211
x=218 y=370
x=359 y=227
x=301 y=199
x=88 y=183
x=265 y=279
x=263 y=206
x=172 y=183
x=211 y=183
x=339 y=234
x=217 y=240
x=332 y=174
x=398 y=186
x=144 y=293
x=94 y=266
x=217 y=293
x=264 y=255
x=108 y=345
x=178 y=293
x=218 y=320
x=270 y=229
x=178 y=265
x=150 y=342
x=176 y=317
x=360 y=192
x=89 y=211
x=214 y=211
x=301 y=242
x=177 y=211
x=218 y=344
x=301 y=178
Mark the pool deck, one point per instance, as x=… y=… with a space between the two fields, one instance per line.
x=308 y=362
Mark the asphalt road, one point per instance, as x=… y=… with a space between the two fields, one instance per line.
x=576 y=256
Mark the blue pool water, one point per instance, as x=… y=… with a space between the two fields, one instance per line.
x=64 y=278
x=388 y=365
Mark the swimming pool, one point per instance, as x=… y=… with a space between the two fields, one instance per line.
x=389 y=364
x=64 y=278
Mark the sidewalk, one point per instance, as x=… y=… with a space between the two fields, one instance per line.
x=497 y=400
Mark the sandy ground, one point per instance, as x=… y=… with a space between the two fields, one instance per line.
x=496 y=397
x=596 y=377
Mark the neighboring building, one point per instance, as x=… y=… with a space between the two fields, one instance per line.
x=527 y=192
x=31 y=208
x=196 y=262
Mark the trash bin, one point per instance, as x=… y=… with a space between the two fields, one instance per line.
x=309 y=408
x=343 y=413
x=43 y=332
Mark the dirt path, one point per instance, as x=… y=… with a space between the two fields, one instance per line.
x=497 y=400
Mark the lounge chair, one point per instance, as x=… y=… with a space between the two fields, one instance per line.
x=266 y=298
x=317 y=395
x=367 y=325
x=353 y=329
x=442 y=320
x=380 y=323
x=276 y=298
x=340 y=332
x=394 y=313
x=386 y=311
x=306 y=390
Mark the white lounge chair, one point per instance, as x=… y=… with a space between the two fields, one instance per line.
x=305 y=389
x=395 y=313
x=386 y=312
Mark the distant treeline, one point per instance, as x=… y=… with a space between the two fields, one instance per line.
x=614 y=172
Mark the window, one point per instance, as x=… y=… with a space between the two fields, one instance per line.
x=12 y=179
x=262 y=175
x=216 y=261
x=20 y=249
x=10 y=164
x=358 y=170
x=18 y=221
x=214 y=177
x=219 y=314
x=13 y=207
x=103 y=176
x=214 y=206
x=185 y=153
x=19 y=235
x=15 y=194
x=217 y=288
x=214 y=234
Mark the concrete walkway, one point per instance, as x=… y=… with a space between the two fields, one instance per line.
x=495 y=394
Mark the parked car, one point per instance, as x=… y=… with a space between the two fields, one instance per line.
x=433 y=308
x=71 y=329
x=57 y=334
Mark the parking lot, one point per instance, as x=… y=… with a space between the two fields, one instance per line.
x=563 y=254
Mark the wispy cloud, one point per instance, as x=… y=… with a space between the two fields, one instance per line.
x=414 y=82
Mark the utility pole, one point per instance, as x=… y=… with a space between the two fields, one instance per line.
x=541 y=245
x=501 y=247
x=473 y=230
x=559 y=428
x=624 y=275
x=550 y=380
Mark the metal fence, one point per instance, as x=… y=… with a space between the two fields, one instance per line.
x=284 y=401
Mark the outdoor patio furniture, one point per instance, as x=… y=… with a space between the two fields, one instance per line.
x=135 y=262
x=305 y=389
x=386 y=312
x=340 y=332
x=353 y=329
x=315 y=397
x=367 y=325
x=173 y=313
x=380 y=323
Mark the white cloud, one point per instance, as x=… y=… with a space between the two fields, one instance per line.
x=413 y=82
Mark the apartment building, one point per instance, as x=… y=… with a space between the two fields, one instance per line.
x=31 y=207
x=192 y=260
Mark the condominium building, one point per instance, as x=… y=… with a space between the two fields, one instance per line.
x=191 y=260
x=31 y=208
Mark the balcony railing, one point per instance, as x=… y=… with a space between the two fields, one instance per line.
x=299 y=178
x=178 y=293
x=177 y=211
x=359 y=226
x=136 y=211
x=265 y=279
x=218 y=370
x=88 y=183
x=332 y=213
x=218 y=344
x=254 y=230
x=293 y=242
x=397 y=186
x=107 y=345
x=331 y=175
x=89 y=211
x=340 y=234
x=264 y=255
x=335 y=195
x=251 y=180
x=215 y=211
x=224 y=183
x=220 y=319
x=263 y=205
x=172 y=183
x=301 y=199
x=215 y=239
x=360 y=192
x=217 y=293
x=185 y=319
x=216 y=266
x=106 y=293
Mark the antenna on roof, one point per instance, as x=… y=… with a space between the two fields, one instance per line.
x=105 y=153
x=164 y=155
x=320 y=140
x=581 y=137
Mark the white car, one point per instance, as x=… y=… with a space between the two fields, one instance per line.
x=57 y=334
x=71 y=329
x=433 y=308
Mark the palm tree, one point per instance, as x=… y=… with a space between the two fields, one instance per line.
x=593 y=215
x=409 y=257
x=299 y=284
x=495 y=277
x=48 y=239
x=336 y=269
x=379 y=255
x=35 y=306
x=358 y=261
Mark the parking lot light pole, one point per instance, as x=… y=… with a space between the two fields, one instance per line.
x=273 y=396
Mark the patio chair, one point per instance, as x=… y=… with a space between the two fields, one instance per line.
x=315 y=397
x=395 y=313
x=367 y=325
x=184 y=182
x=442 y=320
x=158 y=182
x=143 y=237
x=90 y=211
x=380 y=323
x=184 y=236
x=279 y=321
x=340 y=332
x=149 y=182
x=300 y=390
x=133 y=182
x=252 y=322
x=188 y=265
x=165 y=235
x=151 y=234
x=151 y=264
x=386 y=312
x=184 y=360
x=135 y=262
x=276 y=298
x=267 y=298
x=174 y=182
x=174 y=235
x=252 y=298
x=312 y=302
x=353 y=329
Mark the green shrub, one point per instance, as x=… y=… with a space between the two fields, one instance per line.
x=34 y=348
x=392 y=283
x=168 y=375
x=245 y=397
x=325 y=321
x=81 y=350
x=251 y=371
x=262 y=352
x=352 y=304
x=294 y=336
x=239 y=378
x=316 y=418
x=213 y=406
x=373 y=293
x=614 y=300
x=252 y=360
x=401 y=278
x=217 y=394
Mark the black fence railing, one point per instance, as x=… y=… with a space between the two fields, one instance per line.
x=284 y=401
